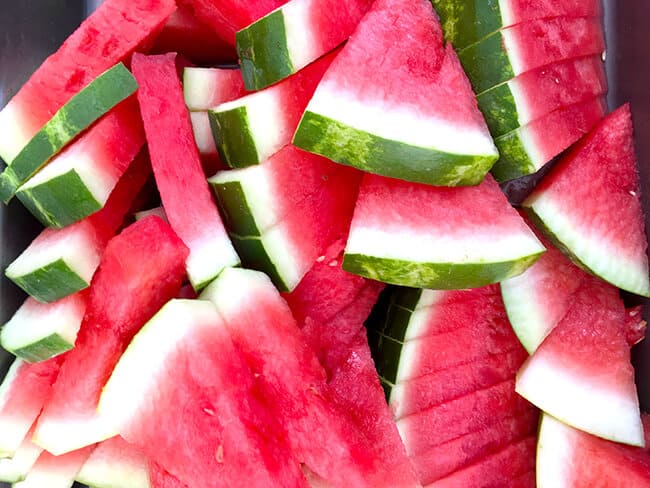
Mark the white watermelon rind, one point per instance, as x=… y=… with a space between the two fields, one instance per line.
x=15 y=469
x=113 y=472
x=554 y=453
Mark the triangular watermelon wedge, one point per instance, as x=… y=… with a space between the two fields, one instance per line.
x=396 y=102
x=589 y=204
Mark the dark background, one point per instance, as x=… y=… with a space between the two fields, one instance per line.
x=32 y=29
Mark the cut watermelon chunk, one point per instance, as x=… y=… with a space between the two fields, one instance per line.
x=205 y=88
x=80 y=179
x=437 y=237
x=23 y=392
x=55 y=471
x=186 y=197
x=524 y=47
x=527 y=149
x=251 y=129
x=109 y=35
x=466 y=22
x=606 y=236
x=396 y=102
x=205 y=141
x=93 y=101
x=592 y=392
x=182 y=378
x=536 y=93
x=567 y=457
x=115 y=464
x=39 y=331
x=294 y=35
x=141 y=269
x=15 y=468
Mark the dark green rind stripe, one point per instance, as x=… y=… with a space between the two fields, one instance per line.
x=499 y=108
x=263 y=53
x=514 y=160
x=407 y=298
x=466 y=22
x=486 y=63
x=60 y=201
x=386 y=354
x=254 y=256
x=233 y=137
x=440 y=276
x=237 y=215
x=51 y=282
x=93 y=101
x=368 y=152
x=42 y=350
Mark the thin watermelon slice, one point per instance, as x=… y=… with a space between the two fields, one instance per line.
x=607 y=235
x=205 y=88
x=80 y=179
x=529 y=45
x=23 y=392
x=466 y=22
x=182 y=378
x=527 y=149
x=536 y=93
x=115 y=463
x=186 y=197
x=141 y=269
x=437 y=237
x=55 y=471
x=94 y=100
x=594 y=392
x=16 y=467
x=396 y=102
x=251 y=129
x=294 y=35
x=567 y=457
x=109 y=35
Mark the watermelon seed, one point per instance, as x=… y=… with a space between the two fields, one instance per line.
x=219 y=454
x=209 y=411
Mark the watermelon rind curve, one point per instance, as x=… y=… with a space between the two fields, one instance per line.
x=15 y=468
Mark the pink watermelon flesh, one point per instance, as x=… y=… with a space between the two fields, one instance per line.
x=119 y=453
x=605 y=166
x=109 y=35
x=142 y=268
x=635 y=326
x=159 y=477
x=523 y=10
x=442 y=460
x=57 y=470
x=186 y=197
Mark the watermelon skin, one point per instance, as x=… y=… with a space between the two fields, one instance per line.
x=605 y=159
x=593 y=392
x=115 y=463
x=567 y=457
x=465 y=23
x=428 y=238
x=109 y=35
x=141 y=269
x=536 y=93
x=377 y=112
x=177 y=168
x=527 y=46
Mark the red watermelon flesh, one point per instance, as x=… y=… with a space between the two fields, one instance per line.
x=176 y=163
x=496 y=470
x=109 y=35
x=442 y=460
x=159 y=477
x=141 y=269
x=593 y=392
x=519 y=11
x=635 y=326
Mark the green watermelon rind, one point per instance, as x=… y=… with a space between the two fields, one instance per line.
x=235 y=208
x=515 y=158
x=50 y=282
x=465 y=23
x=499 y=107
x=93 y=101
x=486 y=63
x=360 y=149
x=233 y=137
x=42 y=349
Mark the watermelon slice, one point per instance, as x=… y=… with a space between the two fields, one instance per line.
x=567 y=457
x=594 y=392
x=607 y=237
x=55 y=471
x=108 y=36
x=294 y=35
x=93 y=101
x=536 y=93
x=437 y=237
x=115 y=463
x=396 y=102
x=23 y=392
x=525 y=150
x=15 y=468
x=182 y=378
x=251 y=129
x=79 y=180
x=204 y=88
x=524 y=47
x=177 y=167
x=141 y=269
x=466 y=22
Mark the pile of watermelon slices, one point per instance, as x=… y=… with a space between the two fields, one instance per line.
x=277 y=253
